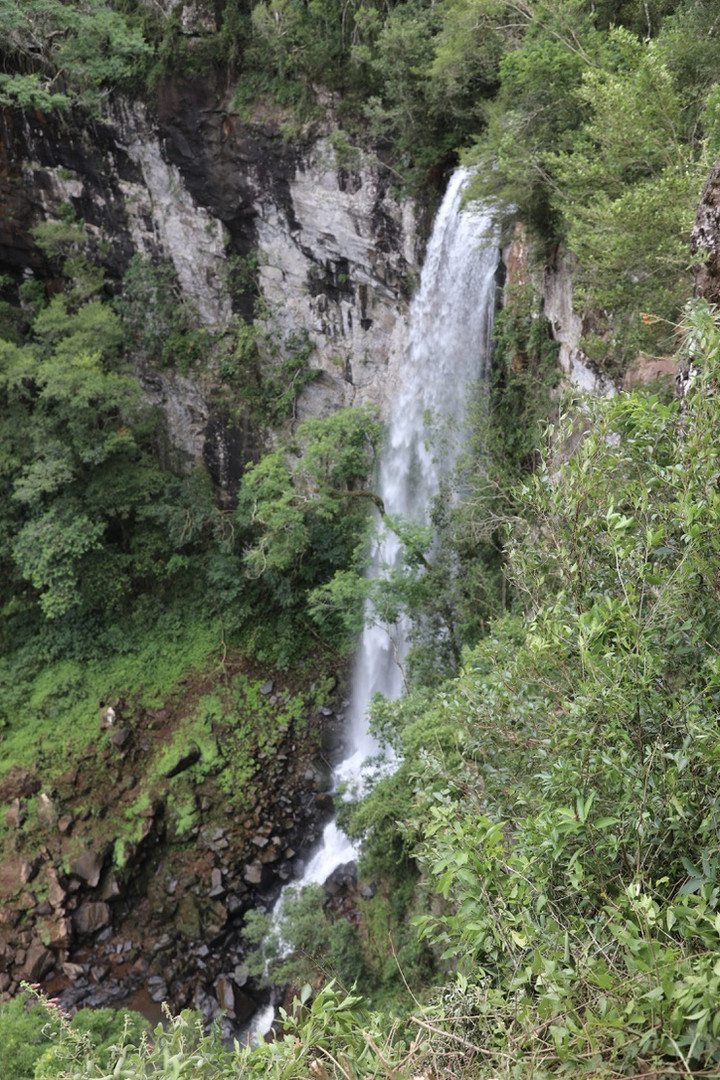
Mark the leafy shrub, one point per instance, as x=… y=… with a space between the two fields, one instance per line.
x=576 y=845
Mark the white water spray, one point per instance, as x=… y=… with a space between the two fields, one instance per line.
x=447 y=353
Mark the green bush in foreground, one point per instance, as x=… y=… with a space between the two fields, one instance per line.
x=328 y=1035
x=575 y=843
x=39 y=1041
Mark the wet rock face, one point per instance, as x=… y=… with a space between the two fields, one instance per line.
x=45 y=162
x=339 y=258
x=705 y=239
x=225 y=165
x=555 y=286
x=337 y=253
x=567 y=328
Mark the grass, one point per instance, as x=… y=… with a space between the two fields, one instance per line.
x=57 y=713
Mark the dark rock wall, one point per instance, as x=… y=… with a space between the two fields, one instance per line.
x=705 y=239
x=49 y=160
x=163 y=914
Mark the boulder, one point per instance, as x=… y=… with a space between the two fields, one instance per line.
x=28 y=870
x=57 y=895
x=184 y=761
x=88 y=867
x=65 y=824
x=217 y=887
x=253 y=873
x=205 y=1003
x=15 y=814
x=58 y=932
x=110 y=889
x=19 y=784
x=75 y=972
x=91 y=916
x=225 y=994
x=342 y=878
x=38 y=961
x=157 y=988
x=46 y=811
x=647 y=369
x=119 y=737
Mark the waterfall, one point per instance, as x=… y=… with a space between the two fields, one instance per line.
x=447 y=353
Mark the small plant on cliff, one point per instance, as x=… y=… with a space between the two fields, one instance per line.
x=266 y=368
x=525 y=373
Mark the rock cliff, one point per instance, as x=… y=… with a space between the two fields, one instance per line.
x=705 y=239
x=332 y=251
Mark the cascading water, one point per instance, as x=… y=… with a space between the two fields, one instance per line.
x=447 y=353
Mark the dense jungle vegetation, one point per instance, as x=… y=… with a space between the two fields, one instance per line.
x=546 y=855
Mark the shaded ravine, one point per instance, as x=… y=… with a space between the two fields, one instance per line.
x=446 y=358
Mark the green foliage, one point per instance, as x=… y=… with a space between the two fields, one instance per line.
x=595 y=139
x=91 y=1033
x=298 y=949
x=73 y=253
x=151 y=306
x=467 y=53
x=400 y=58
x=304 y=511
x=30 y=92
x=307 y=44
x=564 y=785
x=535 y=110
x=62 y=331
x=630 y=187
x=266 y=368
x=525 y=373
x=74 y=470
x=32 y=1028
x=83 y=49
x=94 y=533
x=235 y=750
x=22 y=1026
x=315 y=1030
x=53 y=678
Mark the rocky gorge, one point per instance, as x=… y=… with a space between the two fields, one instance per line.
x=88 y=913
x=332 y=251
